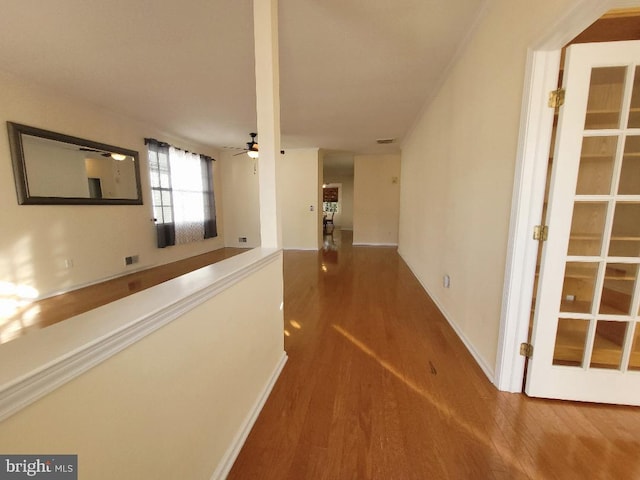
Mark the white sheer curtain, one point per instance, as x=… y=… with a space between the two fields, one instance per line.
x=188 y=203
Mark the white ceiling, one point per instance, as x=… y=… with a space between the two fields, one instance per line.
x=351 y=71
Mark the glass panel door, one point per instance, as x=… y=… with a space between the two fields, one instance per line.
x=586 y=319
x=605 y=226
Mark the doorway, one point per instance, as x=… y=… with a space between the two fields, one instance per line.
x=586 y=310
x=338 y=173
x=536 y=133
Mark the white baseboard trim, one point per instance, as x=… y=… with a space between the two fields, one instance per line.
x=488 y=371
x=224 y=467
x=367 y=244
x=79 y=286
x=129 y=270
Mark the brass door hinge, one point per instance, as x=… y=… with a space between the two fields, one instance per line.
x=541 y=232
x=556 y=98
x=526 y=350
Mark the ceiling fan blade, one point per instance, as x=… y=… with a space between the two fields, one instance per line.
x=241 y=153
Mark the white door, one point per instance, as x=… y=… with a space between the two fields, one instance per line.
x=586 y=331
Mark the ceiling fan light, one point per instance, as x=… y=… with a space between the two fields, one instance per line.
x=118 y=156
x=252 y=153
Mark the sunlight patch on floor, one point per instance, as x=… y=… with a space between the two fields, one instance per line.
x=442 y=408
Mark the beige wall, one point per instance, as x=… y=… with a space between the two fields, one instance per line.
x=298 y=185
x=298 y=189
x=376 y=197
x=36 y=240
x=170 y=405
x=240 y=197
x=458 y=168
x=319 y=197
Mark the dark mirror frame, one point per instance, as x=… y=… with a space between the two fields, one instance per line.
x=16 y=131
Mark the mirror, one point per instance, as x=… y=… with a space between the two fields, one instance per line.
x=52 y=168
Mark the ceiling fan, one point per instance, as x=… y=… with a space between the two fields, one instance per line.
x=103 y=153
x=252 y=147
x=115 y=156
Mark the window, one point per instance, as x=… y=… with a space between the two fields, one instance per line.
x=329 y=199
x=182 y=194
x=330 y=207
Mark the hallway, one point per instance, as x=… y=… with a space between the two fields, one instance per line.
x=378 y=386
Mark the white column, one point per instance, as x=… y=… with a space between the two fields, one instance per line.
x=265 y=26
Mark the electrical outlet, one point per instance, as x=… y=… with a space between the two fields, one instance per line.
x=446 y=281
x=242 y=239
x=68 y=263
x=131 y=260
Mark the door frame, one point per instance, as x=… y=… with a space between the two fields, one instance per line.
x=541 y=77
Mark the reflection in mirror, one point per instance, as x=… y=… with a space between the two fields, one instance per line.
x=51 y=168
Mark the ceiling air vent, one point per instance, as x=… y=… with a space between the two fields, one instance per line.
x=384 y=141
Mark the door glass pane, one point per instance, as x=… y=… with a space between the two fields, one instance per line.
x=619 y=280
x=596 y=165
x=605 y=97
x=607 y=345
x=570 y=341
x=634 y=114
x=634 y=360
x=625 y=235
x=578 y=287
x=587 y=226
x=630 y=174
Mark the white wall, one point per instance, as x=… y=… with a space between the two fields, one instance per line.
x=376 y=199
x=298 y=184
x=240 y=199
x=37 y=239
x=458 y=168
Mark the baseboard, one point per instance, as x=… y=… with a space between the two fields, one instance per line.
x=79 y=286
x=128 y=271
x=367 y=244
x=488 y=371
x=224 y=467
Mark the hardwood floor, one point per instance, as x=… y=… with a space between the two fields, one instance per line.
x=35 y=315
x=378 y=386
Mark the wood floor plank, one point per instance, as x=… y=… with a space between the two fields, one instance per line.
x=49 y=311
x=378 y=386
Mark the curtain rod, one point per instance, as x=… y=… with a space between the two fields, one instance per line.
x=148 y=141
